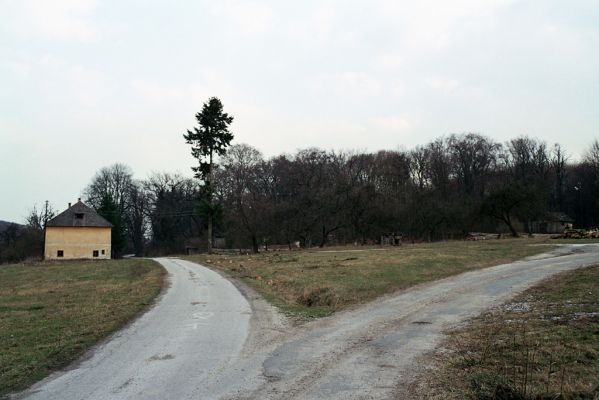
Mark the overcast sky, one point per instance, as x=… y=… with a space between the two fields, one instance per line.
x=87 y=83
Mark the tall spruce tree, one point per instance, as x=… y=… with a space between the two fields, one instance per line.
x=211 y=138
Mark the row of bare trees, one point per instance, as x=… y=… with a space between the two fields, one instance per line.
x=157 y=214
x=444 y=189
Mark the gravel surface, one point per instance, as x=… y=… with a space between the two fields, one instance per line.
x=205 y=340
x=196 y=330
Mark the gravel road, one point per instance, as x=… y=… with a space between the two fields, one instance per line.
x=205 y=340
x=196 y=330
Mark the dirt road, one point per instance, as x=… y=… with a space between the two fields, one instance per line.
x=357 y=354
x=197 y=329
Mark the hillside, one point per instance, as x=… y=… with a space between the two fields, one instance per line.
x=4 y=225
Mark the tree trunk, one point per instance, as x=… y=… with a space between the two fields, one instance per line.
x=210 y=204
x=209 y=234
x=255 y=244
x=527 y=227
x=508 y=222
x=138 y=244
x=324 y=237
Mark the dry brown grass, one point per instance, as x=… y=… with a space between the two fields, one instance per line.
x=542 y=345
x=317 y=282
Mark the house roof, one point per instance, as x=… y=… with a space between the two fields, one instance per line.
x=559 y=217
x=79 y=215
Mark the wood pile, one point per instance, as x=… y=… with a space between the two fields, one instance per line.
x=580 y=234
x=481 y=236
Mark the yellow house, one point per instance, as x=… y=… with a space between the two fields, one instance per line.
x=78 y=232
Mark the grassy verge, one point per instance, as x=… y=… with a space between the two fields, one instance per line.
x=316 y=283
x=51 y=312
x=542 y=345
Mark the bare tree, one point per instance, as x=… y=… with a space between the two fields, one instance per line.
x=114 y=184
x=135 y=217
x=474 y=157
x=172 y=210
x=591 y=156
x=528 y=162
x=558 y=162
x=36 y=223
x=240 y=182
x=37 y=219
x=115 y=181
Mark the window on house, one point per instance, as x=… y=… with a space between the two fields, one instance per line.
x=60 y=253
x=95 y=253
x=103 y=251
x=79 y=215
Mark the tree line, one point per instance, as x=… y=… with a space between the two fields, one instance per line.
x=442 y=190
x=21 y=242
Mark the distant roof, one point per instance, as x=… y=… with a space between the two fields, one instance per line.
x=79 y=215
x=559 y=217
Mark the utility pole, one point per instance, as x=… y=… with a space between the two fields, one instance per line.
x=43 y=221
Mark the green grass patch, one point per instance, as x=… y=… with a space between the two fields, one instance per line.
x=315 y=283
x=51 y=312
x=542 y=345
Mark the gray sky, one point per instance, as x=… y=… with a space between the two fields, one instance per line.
x=87 y=83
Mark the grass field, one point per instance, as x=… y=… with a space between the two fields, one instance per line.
x=51 y=312
x=542 y=345
x=316 y=283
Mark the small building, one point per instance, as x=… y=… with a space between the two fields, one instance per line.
x=78 y=232
x=554 y=222
x=391 y=239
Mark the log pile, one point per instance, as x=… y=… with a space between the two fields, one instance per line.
x=579 y=234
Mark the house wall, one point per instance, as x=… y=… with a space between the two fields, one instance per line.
x=547 y=227
x=77 y=242
x=555 y=227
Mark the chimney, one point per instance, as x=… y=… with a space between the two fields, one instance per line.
x=69 y=205
x=79 y=199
